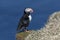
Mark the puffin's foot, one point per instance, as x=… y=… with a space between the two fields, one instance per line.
x=26 y=31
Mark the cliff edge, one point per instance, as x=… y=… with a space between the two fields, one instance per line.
x=51 y=31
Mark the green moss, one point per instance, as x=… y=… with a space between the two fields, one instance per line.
x=22 y=35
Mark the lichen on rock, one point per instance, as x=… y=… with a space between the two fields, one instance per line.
x=51 y=31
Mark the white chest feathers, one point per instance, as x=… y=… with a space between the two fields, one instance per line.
x=30 y=17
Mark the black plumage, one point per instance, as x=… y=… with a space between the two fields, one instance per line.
x=24 y=21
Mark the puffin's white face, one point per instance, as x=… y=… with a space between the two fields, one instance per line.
x=29 y=10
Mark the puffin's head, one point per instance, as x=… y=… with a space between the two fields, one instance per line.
x=28 y=10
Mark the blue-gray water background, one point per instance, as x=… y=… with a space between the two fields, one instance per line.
x=12 y=10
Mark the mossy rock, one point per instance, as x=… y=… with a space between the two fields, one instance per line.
x=22 y=35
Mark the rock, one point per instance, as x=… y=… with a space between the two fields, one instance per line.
x=51 y=31
x=22 y=35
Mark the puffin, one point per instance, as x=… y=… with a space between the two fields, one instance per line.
x=25 y=19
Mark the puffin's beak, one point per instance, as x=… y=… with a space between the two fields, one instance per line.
x=31 y=11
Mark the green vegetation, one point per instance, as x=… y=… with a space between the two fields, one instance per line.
x=22 y=35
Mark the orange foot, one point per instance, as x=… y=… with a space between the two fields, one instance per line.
x=26 y=31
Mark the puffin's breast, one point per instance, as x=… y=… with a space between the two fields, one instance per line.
x=30 y=17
